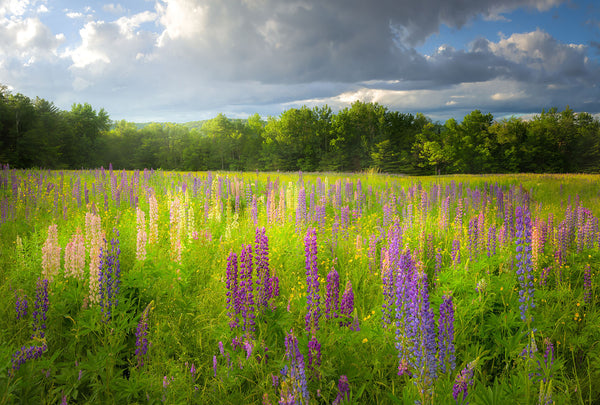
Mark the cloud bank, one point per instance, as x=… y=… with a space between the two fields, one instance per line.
x=189 y=59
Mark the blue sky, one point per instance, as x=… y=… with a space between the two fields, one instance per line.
x=182 y=60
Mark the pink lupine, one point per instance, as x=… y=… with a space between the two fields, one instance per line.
x=75 y=256
x=51 y=254
x=140 y=251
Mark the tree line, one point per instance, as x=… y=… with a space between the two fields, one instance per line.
x=35 y=133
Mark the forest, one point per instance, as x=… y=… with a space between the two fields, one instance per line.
x=365 y=136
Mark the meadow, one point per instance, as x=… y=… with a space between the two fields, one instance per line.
x=295 y=288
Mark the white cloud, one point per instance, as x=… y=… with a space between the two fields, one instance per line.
x=113 y=8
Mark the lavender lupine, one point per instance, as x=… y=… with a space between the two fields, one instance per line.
x=332 y=300
x=524 y=267
x=40 y=308
x=312 y=282
x=294 y=389
x=455 y=252
x=109 y=277
x=141 y=338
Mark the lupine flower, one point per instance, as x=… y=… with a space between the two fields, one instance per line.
x=75 y=256
x=294 y=388
x=463 y=381
x=524 y=267
x=312 y=281
x=246 y=291
x=332 y=301
x=153 y=223
x=347 y=305
x=314 y=353
x=109 y=277
x=51 y=254
x=140 y=251
x=234 y=304
x=215 y=366
x=141 y=337
x=263 y=277
x=24 y=354
x=446 y=355
x=455 y=252
x=94 y=238
x=343 y=391
x=21 y=305
x=40 y=308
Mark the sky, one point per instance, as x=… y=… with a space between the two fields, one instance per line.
x=185 y=60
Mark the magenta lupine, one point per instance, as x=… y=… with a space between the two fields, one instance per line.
x=109 y=277
x=524 y=267
x=347 y=305
x=463 y=381
x=332 y=301
x=312 y=282
x=141 y=338
x=447 y=359
x=491 y=242
x=40 y=308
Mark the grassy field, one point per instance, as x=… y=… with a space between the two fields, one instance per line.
x=171 y=287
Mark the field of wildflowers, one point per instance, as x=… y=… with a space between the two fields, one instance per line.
x=294 y=288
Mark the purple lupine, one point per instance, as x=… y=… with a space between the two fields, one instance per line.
x=312 y=282
x=21 y=305
x=233 y=297
x=248 y=347
x=491 y=242
x=141 y=338
x=24 y=354
x=463 y=381
x=455 y=252
x=263 y=278
x=109 y=277
x=473 y=237
x=343 y=391
x=332 y=301
x=587 y=285
x=40 y=308
x=314 y=353
x=524 y=267
x=347 y=305
x=246 y=291
x=406 y=314
x=446 y=335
